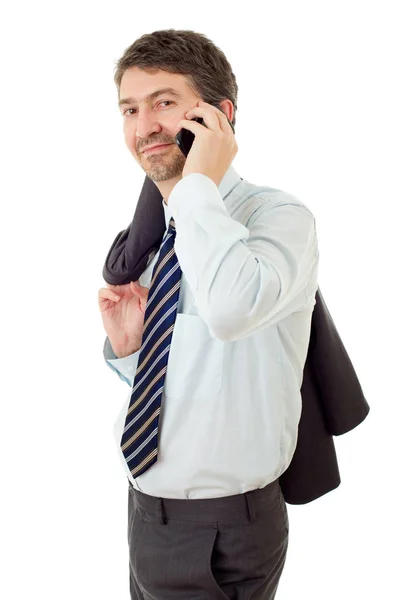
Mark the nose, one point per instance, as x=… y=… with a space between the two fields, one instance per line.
x=146 y=124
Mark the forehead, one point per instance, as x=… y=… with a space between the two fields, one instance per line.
x=137 y=83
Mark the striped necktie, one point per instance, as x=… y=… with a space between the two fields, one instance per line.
x=139 y=442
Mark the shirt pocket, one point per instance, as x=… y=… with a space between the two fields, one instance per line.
x=195 y=362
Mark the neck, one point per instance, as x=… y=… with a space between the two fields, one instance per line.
x=166 y=187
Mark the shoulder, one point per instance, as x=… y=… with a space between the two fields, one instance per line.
x=257 y=201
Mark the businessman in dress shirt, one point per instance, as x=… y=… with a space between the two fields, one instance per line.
x=231 y=400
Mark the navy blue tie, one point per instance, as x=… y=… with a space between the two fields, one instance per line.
x=139 y=442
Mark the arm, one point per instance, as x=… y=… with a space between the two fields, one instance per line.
x=243 y=278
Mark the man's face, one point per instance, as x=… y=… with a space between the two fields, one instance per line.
x=154 y=120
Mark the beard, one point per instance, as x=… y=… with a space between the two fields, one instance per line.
x=162 y=167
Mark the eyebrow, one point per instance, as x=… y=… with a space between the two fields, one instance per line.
x=167 y=90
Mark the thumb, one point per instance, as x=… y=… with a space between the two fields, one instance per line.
x=137 y=289
x=141 y=292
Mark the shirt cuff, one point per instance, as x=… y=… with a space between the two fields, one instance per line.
x=192 y=192
x=124 y=367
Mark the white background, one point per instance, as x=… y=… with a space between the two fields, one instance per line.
x=318 y=116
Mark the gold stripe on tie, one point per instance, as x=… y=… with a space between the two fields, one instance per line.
x=163 y=301
x=162 y=263
x=160 y=340
x=143 y=427
x=138 y=401
x=144 y=461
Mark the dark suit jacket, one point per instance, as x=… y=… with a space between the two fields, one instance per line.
x=332 y=399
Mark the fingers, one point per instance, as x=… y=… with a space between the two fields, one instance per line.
x=106 y=294
x=214 y=118
x=109 y=294
x=142 y=293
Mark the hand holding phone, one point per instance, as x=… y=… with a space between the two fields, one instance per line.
x=185 y=138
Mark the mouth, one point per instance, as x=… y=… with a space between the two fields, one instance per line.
x=156 y=148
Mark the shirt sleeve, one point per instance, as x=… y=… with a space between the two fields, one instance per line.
x=124 y=367
x=243 y=277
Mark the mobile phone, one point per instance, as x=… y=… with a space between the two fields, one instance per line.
x=185 y=138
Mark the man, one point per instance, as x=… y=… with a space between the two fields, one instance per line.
x=212 y=339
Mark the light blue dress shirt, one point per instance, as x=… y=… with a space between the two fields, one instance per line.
x=231 y=402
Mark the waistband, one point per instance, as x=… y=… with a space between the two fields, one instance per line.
x=245 y=506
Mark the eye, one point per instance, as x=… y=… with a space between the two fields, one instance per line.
x=126 y=111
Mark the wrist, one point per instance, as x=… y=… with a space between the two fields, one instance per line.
x=124 y=351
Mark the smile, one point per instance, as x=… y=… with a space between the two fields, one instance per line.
x=156 y=149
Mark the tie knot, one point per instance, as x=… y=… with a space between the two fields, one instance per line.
x=172 y=224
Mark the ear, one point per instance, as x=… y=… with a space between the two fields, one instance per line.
x=227 y=107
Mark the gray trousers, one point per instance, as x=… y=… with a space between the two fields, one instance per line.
x=214 y=548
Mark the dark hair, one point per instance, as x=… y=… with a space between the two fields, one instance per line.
x=207 y=70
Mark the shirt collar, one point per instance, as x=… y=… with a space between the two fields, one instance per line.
x=228 y=182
